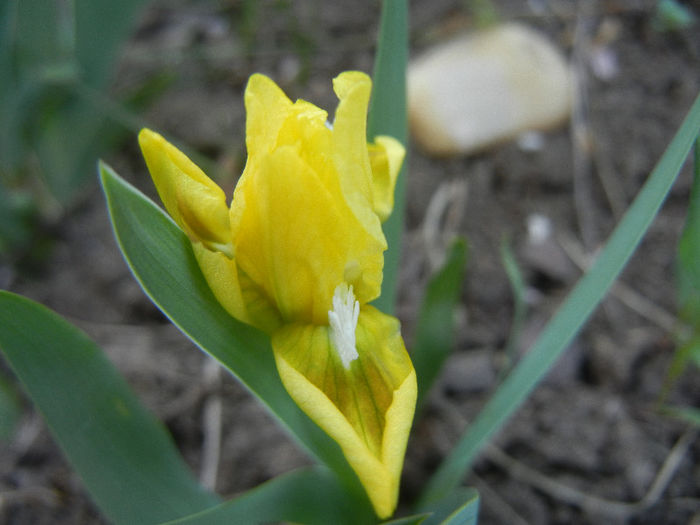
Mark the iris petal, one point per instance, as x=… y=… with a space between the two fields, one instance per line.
x=297 y=239
x=192 y=199
x=385 y=156
x=368 y=408
x=350 y=148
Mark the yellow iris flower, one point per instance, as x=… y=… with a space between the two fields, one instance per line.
x=299 y=255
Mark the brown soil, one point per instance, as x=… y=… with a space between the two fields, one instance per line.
x=589 y=443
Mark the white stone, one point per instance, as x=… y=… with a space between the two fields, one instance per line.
x=481 y=89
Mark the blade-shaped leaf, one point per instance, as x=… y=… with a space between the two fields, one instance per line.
x=311 y=496
x=101 y=29
x=459 y=508
x=435 y=332
x=689 y=414
x=10 y=408
x=127 y=460
x=387 y=116
x=415 y=519
x=689 y=251
x=161 y=258
x=580 y=303
x=517 y=286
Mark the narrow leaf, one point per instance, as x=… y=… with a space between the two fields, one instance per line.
x=689 y=414
x=435 y=332
x=161 y=258
x=573 y=313
x=459 y=508
x=311 y=496
x=10 y=408
x=689 y=250
x=415 y=519
x=517 y=286
x=127 y=460
x=387 y=116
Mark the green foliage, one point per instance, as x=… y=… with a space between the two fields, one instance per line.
x=435 y=332
x=54 y=58
x=671 y=15
x=387 y=116
x=573 y=313
x=688 y=286
x=688 y=414
x=311 y=496
x=10 y=409
x=517 y=285
x=461 y=507
x=128 y=462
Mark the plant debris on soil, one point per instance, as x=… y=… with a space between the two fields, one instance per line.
x=590 y=445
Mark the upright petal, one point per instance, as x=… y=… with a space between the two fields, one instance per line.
x=193 y=200
x=367 y=408
x=386 y=155
x=350 y=148
x=267 y=107
x=296 y=238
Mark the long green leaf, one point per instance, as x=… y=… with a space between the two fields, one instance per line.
x=161 y=258
x=387 y=116
x=689 y=249
x=415 y=519
x=461 y=507
x=688 y=414
x=127 y=460
x=581 y=302
x=688 y=287
x=435 y=332
x=311 y=496
x=101 y=29
x=10 y=408
x=517 y=286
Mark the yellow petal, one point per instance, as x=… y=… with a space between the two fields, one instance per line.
x=192 y=199
x=368 y=408
x=267 y=107
x=296 y=238
x=235 y=291
x=385 y=156
x=350 y=148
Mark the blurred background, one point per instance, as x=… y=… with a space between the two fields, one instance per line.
x=533 y=126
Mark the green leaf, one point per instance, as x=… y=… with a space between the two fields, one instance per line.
x=10 y=409
x=415 y=519
x=387 y=116
x=573 y=313
x=127 y=460
x=101 y=29
x=689 y=250
x=671 y=15
x=435 y=332
x=688 y=414
x=161 y=258
x=461 y=507
x=517 y=285
x=687 y=287
x=311 y=496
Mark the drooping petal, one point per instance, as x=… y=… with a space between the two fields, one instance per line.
x=296 y=238
x=367 y=408
x=386 y=155
x=235 y=291
x=193 y=200
x=350 y=148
